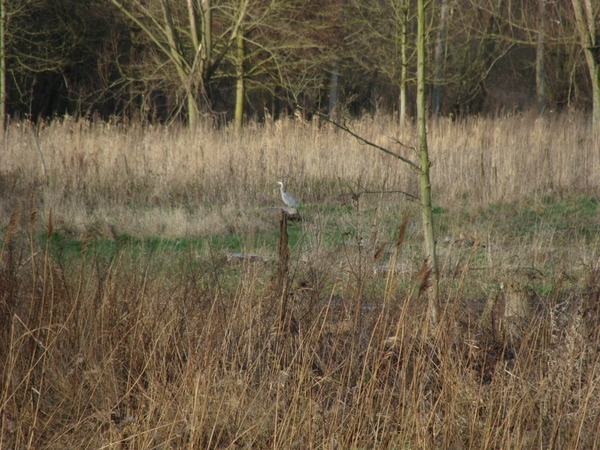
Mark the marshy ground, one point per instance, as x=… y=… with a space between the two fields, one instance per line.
x=124 y=325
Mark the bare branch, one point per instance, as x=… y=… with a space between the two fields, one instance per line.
x=364 y=141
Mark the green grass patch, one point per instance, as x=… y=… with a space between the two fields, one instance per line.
x=570 y=216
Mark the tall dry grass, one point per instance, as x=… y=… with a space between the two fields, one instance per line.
x=155 y=180
x=144 y=348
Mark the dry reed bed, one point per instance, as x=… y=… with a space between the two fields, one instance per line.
x=151 y=349
x=87 y=171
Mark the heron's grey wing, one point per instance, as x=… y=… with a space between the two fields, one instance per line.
x=292 y=201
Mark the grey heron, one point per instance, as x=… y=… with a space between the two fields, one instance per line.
x=288 y=198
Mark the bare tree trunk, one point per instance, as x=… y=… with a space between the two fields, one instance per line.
x=2 y=65
x=540 y=66
x=585 y=19
x=333 y=89
x=439 y=58
x=239 y=92
x=186 y=75
x=207 y=30
x=404 y=61
x=193 y=18
x=425 y=182
x=193 y=112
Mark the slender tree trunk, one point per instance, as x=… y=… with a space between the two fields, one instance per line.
x=2 y=65
x=193 y=112
x=439 y=58
x=240 y=91
x=187 y=76
x=404 y=62
x=206 y=50
x=540 y=66
x=425 y=182
x=333 y=88
x=585 y=19
x=193 y=18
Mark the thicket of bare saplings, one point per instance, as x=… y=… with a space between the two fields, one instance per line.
x=124 y=325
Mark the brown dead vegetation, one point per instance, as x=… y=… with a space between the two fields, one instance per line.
x=138 y=348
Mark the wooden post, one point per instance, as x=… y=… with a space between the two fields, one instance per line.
x=287 y=321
